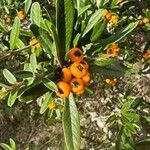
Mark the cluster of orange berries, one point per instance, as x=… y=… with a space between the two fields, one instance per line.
x=110 y=18
x=112 y=51
x=143 y=21
x=75 y=77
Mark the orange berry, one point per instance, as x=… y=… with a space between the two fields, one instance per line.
x=64 y=89
x=21 y=15
x=78 y=70
x=146 y=54
x=34 y=41
x=111 y=82
x=105 y=12
x=113 y=50
x=75 y=55
x=108 y=16
x=140 y=22
x=52 y=105
x=77 y=85
x=86 y=78
x=114 y=19
x=80 y=92
x=66 y=75
x=85 y=64
x=145 y=20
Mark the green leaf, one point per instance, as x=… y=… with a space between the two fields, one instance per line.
x=33 y=92
x=14 y=34
x=5 y=146
x=36 y=14
x=71 y=124
x=23 y=74
x=12 y=98
x=20 y=44
x=83 y=9
x=65 y=23
x=12 y=143
x=104 y=62
x=117 y=36
x=113 y=70
x=9 y=76
x=93 y=20
x=33 y=62
x=98 y=30
x=50 y=85
x=48 y=97
x=27 y=5
x=60 y=24
x=44 y=39
x=69 y=22
x=76 y=40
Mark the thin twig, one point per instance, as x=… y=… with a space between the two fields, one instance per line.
x=11 y=52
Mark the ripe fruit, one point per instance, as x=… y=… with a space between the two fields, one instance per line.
x=108 y=16
x=77 y=85
x=52 y=105
x=78 y=70
x=111 y=82
x=146 y=54
x=80 y=92
x=86 y=78
x=75 y=55
x=63 y=89
x=66 y=74
x=21 y=15
x=114 y=19
x=35 y=43
x=85 y=64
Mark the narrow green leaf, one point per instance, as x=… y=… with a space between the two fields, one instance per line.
x=92 y=21
x=83 y=9
x=60 y=24
x=27 y=5
x=12 y=143
x=69 y=22
x=50 y=85
x=14 y=34
x=117 y=36
x=76 y=40
x=104 y=62
x=33 y=92
x=71 y=124
x=36 y=14
x=24 y=74
x=64 y=23
x=46 y=42
x=9 y=76
x=20 y=44
x=98 y=30
x=47 y=99
x=12 y=98
x=33 y=62
x=5 y=146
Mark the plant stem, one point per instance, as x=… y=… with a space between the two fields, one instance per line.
x=11 y=52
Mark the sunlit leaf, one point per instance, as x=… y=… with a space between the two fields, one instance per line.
x=93 y=20
x=9 y=76
x=35 y=14
x=71 y=124
x=12 y=98
x=46 y=100
x=14 y=34
x=27 y=5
